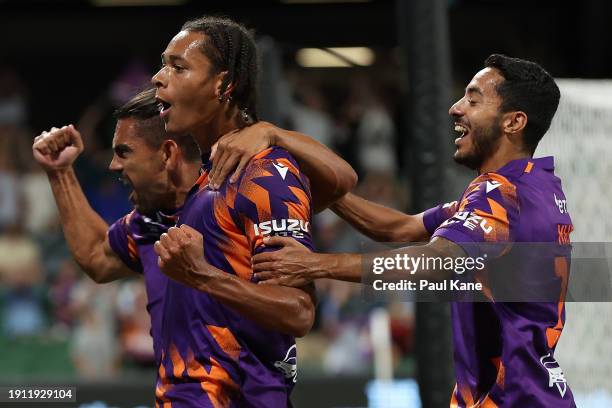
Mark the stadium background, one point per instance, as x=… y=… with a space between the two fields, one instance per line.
x=75 y=61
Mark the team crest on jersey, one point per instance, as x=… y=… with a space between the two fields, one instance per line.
x=288 y=366
x=555 y=373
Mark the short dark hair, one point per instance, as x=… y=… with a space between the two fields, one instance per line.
x=529 y=88
x=145 y=108
x=231 y=47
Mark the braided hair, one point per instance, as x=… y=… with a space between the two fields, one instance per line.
x=230 y=47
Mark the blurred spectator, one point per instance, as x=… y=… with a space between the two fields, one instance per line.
x=42 y=215
x=373 y=126
x=94 y=347
x=342 y=313
x=9 y=184
x=376 y=133
x=13 y=98
x=349 y=352
x=308 y=114
x=21 y=277
x=60 y=296
x=135 y=323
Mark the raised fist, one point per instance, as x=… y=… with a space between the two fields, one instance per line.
x=57 y=149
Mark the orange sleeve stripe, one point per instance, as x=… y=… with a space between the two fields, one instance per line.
x=226 y=340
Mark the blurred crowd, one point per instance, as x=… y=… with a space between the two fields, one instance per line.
x=105 y=328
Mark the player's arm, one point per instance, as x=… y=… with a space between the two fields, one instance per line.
x=274 y=307
x=294 y=265
x=283 y=309
x=330 y=176
x=484 y=218
x=378 y=222
x=85 y=231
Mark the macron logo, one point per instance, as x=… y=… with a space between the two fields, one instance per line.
x=492 y=185
x=282 y=170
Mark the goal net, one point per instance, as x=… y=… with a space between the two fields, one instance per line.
x=580 y=139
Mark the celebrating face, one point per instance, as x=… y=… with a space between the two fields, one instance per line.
x=477 y=119
x=141 y=167
x=187 y=86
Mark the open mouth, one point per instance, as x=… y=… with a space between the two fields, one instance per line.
x=163 y=107
x=462 y=130
x=126 y=182
x=123 y=180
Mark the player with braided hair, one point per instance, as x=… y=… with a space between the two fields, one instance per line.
x=214 y=353
x=230 y=47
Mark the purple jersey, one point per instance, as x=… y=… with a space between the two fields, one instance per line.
x=504 y=351
x=213 y=356
x=132 y=238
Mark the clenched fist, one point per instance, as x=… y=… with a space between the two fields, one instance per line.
x=181 y=256
x=58 y=148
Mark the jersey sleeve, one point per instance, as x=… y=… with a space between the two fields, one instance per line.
x=122 y=243
x=484 y=221
x=274 y=198
x=434 y=217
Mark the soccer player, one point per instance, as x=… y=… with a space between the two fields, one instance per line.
x=504 y=352
x=214 y=356
x=161 y=169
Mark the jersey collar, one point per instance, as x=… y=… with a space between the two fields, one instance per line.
x=526 y=165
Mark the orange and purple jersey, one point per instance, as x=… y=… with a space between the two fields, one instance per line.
x=504 y=350
x=213 y=356
x=132 y=238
